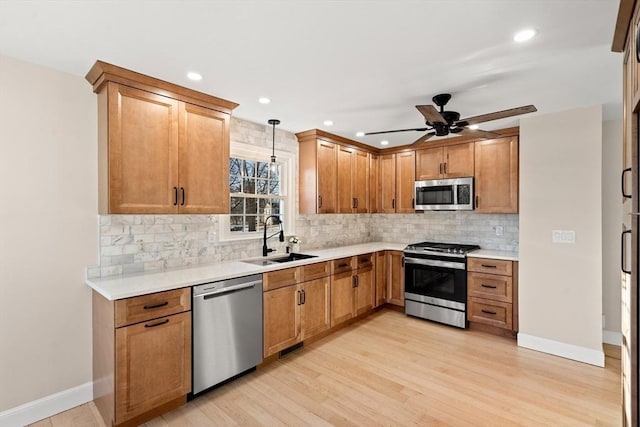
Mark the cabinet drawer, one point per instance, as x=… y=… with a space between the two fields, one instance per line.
x=152 y=306
x=493 y=313
x=315 y=271
x=280 y=278
x=342 y=264
x=490 y=286
x=491 y=266
x=364 y=261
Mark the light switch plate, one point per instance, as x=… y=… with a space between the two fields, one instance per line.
x=563 y=236
x=499 y=230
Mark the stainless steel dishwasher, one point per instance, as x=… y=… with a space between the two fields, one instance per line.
x=227 y=329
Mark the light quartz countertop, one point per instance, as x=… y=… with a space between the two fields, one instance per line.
x=126 y=286
x=487 y=253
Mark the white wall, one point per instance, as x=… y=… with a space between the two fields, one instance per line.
x=560 y=292
x=48 y=231
x=611 y=228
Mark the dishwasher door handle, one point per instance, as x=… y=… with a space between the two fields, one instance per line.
x=226 y=290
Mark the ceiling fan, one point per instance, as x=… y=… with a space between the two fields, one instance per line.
x=442 y=122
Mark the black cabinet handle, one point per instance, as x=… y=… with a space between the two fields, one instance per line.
x=622 y=251
x=625 y=195
x=441 y=169
x=393 y=203
x=343 y=264
x=488 y=312
x=319 y=201
x=489 y=286
x=299 y=297
x=476 y=201
x=353 y=281
x=182 y=190
x=304 y=296
x=151 y=307
x=489 y=266
x=151 y=325
x=175 y=196
x=445 y=168
x=413 y=203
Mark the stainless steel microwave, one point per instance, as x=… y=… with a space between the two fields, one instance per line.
x=445 y=194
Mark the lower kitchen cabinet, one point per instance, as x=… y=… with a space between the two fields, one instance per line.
x=492 y=293
x=381 y=278
x=352 y=287
x=295 y=311
x=141 y=355
x=395 y=278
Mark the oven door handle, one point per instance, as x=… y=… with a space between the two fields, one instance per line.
x=435 y=263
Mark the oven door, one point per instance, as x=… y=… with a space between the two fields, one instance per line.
x=436 y=278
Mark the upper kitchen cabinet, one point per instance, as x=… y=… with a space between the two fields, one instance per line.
x=449 y=161
x=496 y=175
x=163 y=148
x=334 y=174
x=397 y=176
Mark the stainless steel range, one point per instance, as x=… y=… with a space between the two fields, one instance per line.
x=436 y=282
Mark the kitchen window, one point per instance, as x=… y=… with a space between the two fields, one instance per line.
x=257 y=189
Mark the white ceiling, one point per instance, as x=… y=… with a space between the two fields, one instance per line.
x=362 y=64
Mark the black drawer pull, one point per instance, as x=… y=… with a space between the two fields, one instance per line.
x=150 y=307
x=344 y=264
x=488 y=312
x=175 y=196
x=156 y=324
x=489 y=286
x=624 y=194
x=489 y=266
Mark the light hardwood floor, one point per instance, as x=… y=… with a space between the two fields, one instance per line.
x=390 y=370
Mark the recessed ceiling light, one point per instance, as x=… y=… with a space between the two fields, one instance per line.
x=264 y=100
x=194 y=76
x=328 y=123
x=524 y=35
x=474 y=127
x=384 y=142
x=360 y=133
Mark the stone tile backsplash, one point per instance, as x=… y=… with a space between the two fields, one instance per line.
x=147 y=243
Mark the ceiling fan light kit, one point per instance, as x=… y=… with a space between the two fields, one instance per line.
x=443 y=122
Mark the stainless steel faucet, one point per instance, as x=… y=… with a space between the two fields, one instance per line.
x=266 y=250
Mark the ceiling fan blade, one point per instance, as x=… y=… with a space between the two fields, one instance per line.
x=431 y=114
x=497 y=115
x=423 y=138
x=479 y=133
x=398 y=130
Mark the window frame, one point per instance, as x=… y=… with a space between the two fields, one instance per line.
x=287 y=189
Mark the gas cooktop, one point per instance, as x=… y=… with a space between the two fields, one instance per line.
x=445 y=248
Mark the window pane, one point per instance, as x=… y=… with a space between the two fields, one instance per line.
x=235 y=184
x=249 y=186
x=235 y=166
x=263 y=170
x=251 y=223
x=249 y=168
x=251 y=206
x=236 y=223
x=274 y=188
x=262 y=186
x=237 y=205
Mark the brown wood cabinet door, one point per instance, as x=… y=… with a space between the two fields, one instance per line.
x=496 y=177
x=143 y=151
x=342 y=298
x=374 y=183
x=327 y=159
x=387 y=202
x=360 y=181
x=459 y=160
x=381 y=278
x=345 y=179
x=204 y=160
x=395 y=278
x=429 y=163
x=315 y=314
x=365 y=290
x=281 y=319
x=405 y=182
x=153 y=364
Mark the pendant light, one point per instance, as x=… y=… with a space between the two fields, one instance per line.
x=273 y=122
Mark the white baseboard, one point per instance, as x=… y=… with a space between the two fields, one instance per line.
x=568 y=351
x=47 y=406
x=613 y=338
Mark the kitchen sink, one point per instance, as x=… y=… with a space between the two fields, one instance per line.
x=279 y=260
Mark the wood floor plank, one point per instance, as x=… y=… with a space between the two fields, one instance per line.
x=394 y=370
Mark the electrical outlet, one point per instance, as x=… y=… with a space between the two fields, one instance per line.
x=563 y=236
x=499 y=230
